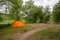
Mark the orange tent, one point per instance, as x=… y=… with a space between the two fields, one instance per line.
x=18 y=23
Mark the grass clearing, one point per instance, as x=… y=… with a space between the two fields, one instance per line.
x=10 y=31
x=50 y=33
x=6 y=39
x=19 y=29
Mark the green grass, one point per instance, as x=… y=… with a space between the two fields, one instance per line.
x=51 y=33
x=6 y=39
x=10 y=31
x=18 y=29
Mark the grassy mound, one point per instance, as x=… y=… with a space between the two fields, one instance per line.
x=51 y=33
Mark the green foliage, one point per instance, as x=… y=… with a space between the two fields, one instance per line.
x=56 y=13
x=46 y=14
x=29 y=13
x=2 y=26
x=33 y=12
x=36 y=14
x=15 y=8
x=1 y=19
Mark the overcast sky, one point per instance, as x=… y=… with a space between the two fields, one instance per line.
x=44 y=3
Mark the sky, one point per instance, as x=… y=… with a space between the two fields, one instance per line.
x=2 y=8
x=43 y=3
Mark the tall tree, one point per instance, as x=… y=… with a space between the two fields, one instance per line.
x=33 y=12
x=4 y=3
x=56 y=12
x=37 y=14
x=27 y=9
x=15 y=8
x=46 y=14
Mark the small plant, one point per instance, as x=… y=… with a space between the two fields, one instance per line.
x=1 y=19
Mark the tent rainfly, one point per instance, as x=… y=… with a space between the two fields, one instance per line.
x=18 y=23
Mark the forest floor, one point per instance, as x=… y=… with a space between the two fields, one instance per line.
x=37 y=27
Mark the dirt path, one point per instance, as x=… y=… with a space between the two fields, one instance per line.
x=24 y=36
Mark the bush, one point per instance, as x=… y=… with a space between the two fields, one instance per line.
x=4 y=25
x=1 y=19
